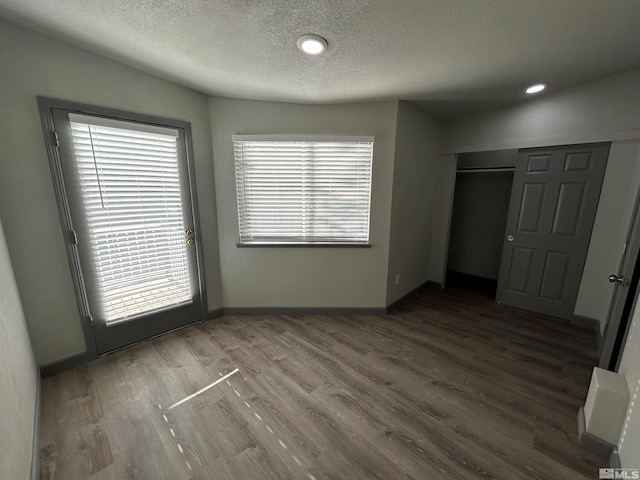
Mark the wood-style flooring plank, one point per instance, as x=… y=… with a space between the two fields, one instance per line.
x=450 y=385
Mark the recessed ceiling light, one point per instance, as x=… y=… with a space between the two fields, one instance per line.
x=538 y=87
x=312 y=44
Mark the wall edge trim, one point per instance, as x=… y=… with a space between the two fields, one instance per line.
x=304 y=310
x=427 y=284
x=35 y=453
x=215 y=313
x=590 y=442
x=614 y=460
x=586 y=322
x=67 y=363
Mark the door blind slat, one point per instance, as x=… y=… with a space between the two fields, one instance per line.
x=130 y=186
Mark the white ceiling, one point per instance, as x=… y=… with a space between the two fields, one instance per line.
x=452 y=56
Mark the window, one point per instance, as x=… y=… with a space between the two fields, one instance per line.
x=303 y=191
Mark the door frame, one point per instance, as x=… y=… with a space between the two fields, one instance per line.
x=45 y=106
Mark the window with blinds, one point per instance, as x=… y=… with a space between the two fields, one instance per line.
x=303 y=190
x=130 y=188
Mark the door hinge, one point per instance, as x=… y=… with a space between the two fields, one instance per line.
x=56 y=138
x=74 y=235
x=90 y=318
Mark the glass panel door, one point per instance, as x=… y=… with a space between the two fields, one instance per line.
x=128 y=191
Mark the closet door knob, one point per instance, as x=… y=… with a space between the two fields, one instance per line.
x=613 y=278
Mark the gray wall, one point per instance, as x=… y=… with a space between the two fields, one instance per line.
x=18 y=377
x=610 y=228
x=33 y=64
x=303 y=277
x=606 y=110
x=480 y=207
x=417 y=152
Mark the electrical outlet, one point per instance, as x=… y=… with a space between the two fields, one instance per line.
x=397 y=279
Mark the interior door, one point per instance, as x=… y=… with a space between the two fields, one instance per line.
x=625 y=280
x=552 y=208
x=129 y=199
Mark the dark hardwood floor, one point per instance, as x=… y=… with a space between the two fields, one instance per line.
x=449 y=386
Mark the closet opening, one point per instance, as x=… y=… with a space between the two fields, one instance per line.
x=481 y=203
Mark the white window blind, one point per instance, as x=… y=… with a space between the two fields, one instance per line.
x=130 y=187
x=303 y=190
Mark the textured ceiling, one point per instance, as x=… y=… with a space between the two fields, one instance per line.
x=452 y=57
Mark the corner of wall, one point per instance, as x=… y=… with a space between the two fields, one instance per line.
x=442 y=211
x=391 y=219
x=417 y=147
x=19 y=379
x=35 y=457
